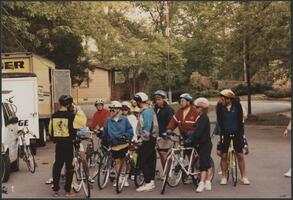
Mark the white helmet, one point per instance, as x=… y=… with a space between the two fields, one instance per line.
x=115 y=104
x=228 y=93
x=201 y=102
x=126 y=104
x=99 y=101
x=141 y=97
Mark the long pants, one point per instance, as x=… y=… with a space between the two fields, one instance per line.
x=147 y=159
x=63 y=154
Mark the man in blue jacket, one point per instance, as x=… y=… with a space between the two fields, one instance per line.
x=117 y=131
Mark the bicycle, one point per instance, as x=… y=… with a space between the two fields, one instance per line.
x=130 y=167
x=80 y=177
x=180 y=166
x=106 y=167
x=232 y=162
x=25 y=150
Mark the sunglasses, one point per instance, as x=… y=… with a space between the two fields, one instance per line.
x=112 y=110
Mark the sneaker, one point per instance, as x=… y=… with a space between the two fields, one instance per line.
x=245 y=181
x=49 y=181
x=70 y=194
x=288 y=174
x=91 y=180
x=55 y=194
x=208 y=185
x=126 y=184
x=201 y=187
x=146 y=187
x=223 y=181
x=220 y=172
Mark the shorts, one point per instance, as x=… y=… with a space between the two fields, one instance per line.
x=164 y=144
x=238 y=143
x=120 y=153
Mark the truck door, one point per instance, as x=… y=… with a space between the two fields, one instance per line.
x=61 y=85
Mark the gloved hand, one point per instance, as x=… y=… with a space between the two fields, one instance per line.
x=169 y=132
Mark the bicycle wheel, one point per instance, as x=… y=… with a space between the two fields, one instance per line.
x=166 y=174
x=30 y=160
x=138 y=176
x=93 y=164
x=85 y=181
x=76 y=180
x=234 y=168
x=175 y=174
x=121 y=176
x=104 y=171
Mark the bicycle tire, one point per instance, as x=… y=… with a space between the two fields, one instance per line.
x=138 y=176
x=93 y=164
x=166 y=176
x=104 y=172
x=122 y=175
x=30 y=160
x=176 y=174
x=234 y=169
x=76 y=181
x=85 y=181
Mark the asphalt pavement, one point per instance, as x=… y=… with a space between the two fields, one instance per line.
x=268 y=160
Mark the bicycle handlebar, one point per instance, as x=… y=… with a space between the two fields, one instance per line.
x=21 y=132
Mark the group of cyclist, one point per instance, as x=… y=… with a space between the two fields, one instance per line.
x=138 y=120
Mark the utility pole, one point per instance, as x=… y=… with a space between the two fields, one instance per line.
x=167 y=34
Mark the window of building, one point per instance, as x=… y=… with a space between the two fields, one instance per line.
x=119 y=77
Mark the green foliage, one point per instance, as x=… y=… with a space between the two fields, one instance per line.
x=256 y=88
x=280 y=93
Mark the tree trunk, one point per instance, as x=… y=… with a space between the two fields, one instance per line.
x=247 y=74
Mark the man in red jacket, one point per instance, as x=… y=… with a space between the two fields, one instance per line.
x=185 y=117
x=101 y=116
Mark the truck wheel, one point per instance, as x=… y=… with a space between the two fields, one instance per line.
x=5 y=167
x=42 y=133
x=15 y=164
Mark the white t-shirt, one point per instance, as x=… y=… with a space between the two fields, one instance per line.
x=133 y=121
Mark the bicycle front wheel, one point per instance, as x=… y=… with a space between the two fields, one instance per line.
x=93 y=164
x=121 y=176
x=167 y=169
x=85 y=181
x=175 y=173
x=234 y=168
x=138 y=176
x=104 y=172
x=29 y=159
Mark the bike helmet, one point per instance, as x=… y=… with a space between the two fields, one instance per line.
x=186 y=96
x=227 y=93
x=126 y=104
x=65 y=100
x=201 y=102
x=140 y=97
x=115 y=104
x=99 y=101
x=161 y=93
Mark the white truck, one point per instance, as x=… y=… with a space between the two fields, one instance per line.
x=51 y=84
x=9 y=144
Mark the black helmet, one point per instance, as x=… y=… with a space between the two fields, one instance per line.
x=65 y=100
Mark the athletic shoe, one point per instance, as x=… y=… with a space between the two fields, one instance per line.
x=288 y=174
x=146 y=187
x=223 y=181
x=208 y=185
x=245 y=181
x=201 y=187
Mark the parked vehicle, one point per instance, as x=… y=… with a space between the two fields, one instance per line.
x=51 y=84
x=9 y=144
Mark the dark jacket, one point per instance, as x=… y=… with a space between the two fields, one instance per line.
x=220 y=117
x=61 y=127
x=164 y=115
x=201 y=133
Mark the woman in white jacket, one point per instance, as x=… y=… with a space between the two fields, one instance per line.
x=126 y=111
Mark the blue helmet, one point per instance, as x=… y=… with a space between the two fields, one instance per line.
x=186 y=96
x=161 y=93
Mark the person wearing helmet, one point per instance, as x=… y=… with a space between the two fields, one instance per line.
x=230 y=119
x=164 y=115
x=147 y=151
x=185 y=117
x=100 y=116
x=117 y=131
x=62 y=132
x=200 y=138
x=126 y=111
